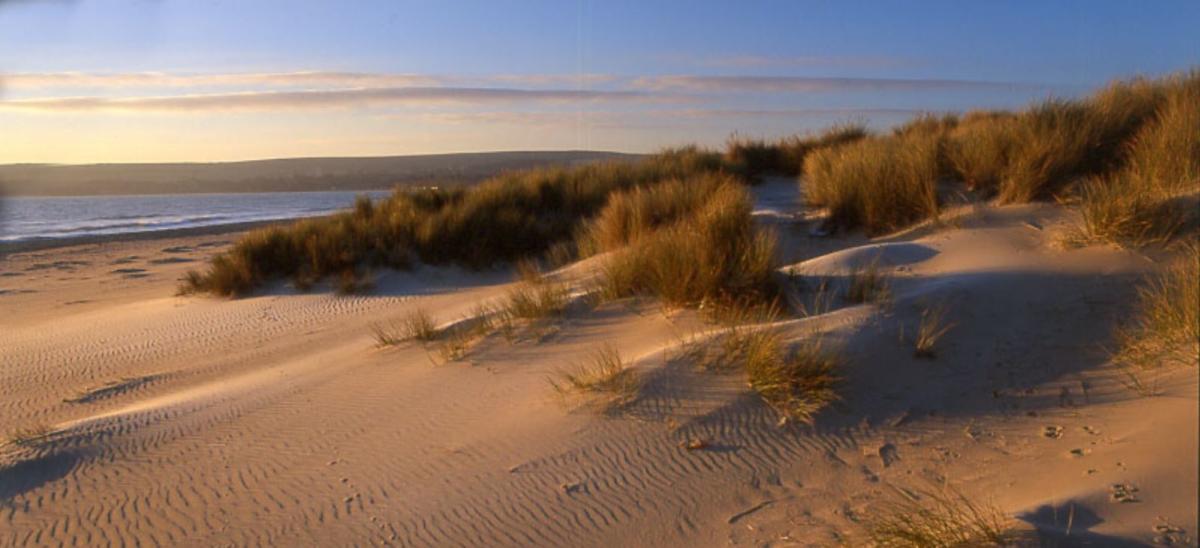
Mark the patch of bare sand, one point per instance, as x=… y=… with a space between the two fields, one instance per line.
x=276 y=420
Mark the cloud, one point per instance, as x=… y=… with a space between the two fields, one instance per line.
x=800 y=84
x=657 y=117
x=843 y=61
x=162 y=79
x=586 y=79
x=318 y=99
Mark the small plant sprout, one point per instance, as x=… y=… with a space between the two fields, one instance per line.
x=932 y=328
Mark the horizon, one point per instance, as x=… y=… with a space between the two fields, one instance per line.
x=171 y=82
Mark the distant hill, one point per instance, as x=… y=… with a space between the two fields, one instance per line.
x=293 y=174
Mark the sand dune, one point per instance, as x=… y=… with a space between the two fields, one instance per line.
x=276 y=420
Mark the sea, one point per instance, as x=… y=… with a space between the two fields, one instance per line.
x=39 y=218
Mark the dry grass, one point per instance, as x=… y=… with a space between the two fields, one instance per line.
x=456 y=345
x=979 y=148
x=879 y=183
x=754 y=158
x=796 y=382
x=714 y=254
x=634 y=214
x=886 y=182
x=417 y=325
x=868 y=284
x=939 y=519
x=1058 y=141
x=534 y=300
x=605 y=373
x=932 y=328
x=1145 y=202
x=1166 y=326
x=508 y=217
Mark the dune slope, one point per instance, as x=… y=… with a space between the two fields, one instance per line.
x=276 y=420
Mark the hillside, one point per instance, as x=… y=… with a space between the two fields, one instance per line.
x=291 y=174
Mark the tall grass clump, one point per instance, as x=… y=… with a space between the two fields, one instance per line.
x=715 y=254
x=879 y=183
x=1146 y=201
x=505 y=218
x=631 y=215
x=939 y=519
x=1059 y=141
x=979 y=148
x=754 y=158
x=1166 y=325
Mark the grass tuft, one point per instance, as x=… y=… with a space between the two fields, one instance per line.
x=932 y=328
x=604 y=373
x=755 y=158
x=534 y=300
x=868 y=284
x=417 y=325
x=713 y=254
x=796 y=382
x=939 y=519
x=1166 y=325
x=879 y=183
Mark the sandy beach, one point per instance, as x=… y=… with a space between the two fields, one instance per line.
x=275 y=419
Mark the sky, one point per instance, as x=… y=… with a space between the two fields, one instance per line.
x=96 y=81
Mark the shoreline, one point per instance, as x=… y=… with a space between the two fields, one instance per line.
x=54 y=243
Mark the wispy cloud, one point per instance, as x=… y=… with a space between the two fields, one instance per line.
x=318 y=99
x=174 y=80
x=800 y=84
x=824 y=61
x=634 y=118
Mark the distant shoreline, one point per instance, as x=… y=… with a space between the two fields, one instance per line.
x=350 y=174
x=211 y=230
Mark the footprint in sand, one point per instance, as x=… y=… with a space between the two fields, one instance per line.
x=1123 y=492
x=1052 y=432
x=131 y=272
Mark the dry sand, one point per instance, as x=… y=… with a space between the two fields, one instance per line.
x=275 y=420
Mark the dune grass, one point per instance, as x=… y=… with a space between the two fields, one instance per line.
x=1058 y=141
x=1146 y=201
x=932 y=327
x=503 y=219
x=605 y=373
x=713 y=254
x=633 y=214
x=882 y=183
x=417 y=325
x=797 y=382
x=754 y=158
x=1166 y=326
x=941 y=518
x=868 y=283
x=878 y=183
x=979 y=147
x=534 y=300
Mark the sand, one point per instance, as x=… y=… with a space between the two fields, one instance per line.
x=275 y=419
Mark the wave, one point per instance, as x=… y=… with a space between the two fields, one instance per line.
x=103 y=217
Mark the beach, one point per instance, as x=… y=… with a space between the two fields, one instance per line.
x=276 y=418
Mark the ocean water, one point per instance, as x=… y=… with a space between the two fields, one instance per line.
x=34 y=218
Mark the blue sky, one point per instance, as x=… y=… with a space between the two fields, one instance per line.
x=193 y=80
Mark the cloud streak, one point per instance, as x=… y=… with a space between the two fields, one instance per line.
x=163 y=79
x=800 y=84
x=318 y=99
